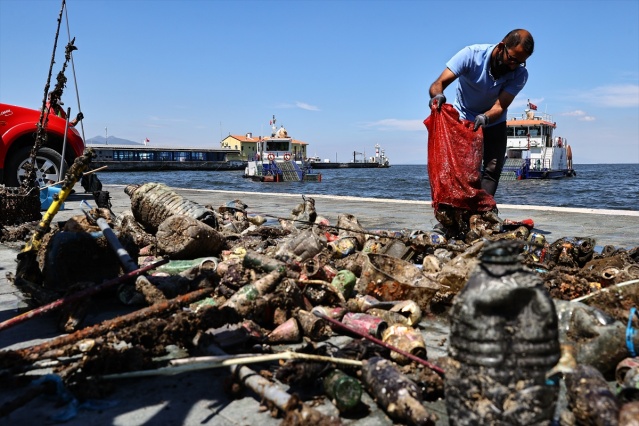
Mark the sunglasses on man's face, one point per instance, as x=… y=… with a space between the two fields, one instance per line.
x=512 y=59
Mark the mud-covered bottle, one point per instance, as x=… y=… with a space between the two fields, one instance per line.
x=152 y=203
x=345 y=391
x=503 y=339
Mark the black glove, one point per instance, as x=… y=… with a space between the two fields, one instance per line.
x=480 y=121
x=439 y=99
x=79 y=117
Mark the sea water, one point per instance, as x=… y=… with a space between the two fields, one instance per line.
x=597 y=186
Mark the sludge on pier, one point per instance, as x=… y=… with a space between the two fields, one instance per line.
x=197 y=397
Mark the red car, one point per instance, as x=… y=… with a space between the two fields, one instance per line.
x=17 y=135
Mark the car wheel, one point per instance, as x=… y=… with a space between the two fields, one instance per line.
x=47 y=166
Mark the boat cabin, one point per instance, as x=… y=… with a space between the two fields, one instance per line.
x=278 y=147
x=532 y=148
x=529 y=131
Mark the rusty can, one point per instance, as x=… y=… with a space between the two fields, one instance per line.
x=536 y=239
x=407 y=339
x=361 y=303
x=623 y=367
x=388 y=316
x=429 y=239
x=342 y=247
x=329 y=311
x=329 y=272
x=521 y=233
x=372 y=246
x=364 y=323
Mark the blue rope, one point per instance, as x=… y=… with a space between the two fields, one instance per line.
x=630 y=333
x=70 y=405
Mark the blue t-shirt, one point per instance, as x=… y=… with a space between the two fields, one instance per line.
x=477 y=90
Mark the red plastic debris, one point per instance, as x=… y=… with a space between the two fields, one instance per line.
x=454 y=161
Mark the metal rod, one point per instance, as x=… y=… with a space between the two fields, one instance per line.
x=79 y=295
x=185 y=365
x=83 y=174
x=48 y=348
x=64 y=144
x=409 y=355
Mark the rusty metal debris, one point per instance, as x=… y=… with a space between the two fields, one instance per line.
x=237 y=283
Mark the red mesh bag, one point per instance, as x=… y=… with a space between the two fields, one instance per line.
x=455 y=154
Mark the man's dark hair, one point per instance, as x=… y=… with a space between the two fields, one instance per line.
x=519 y=36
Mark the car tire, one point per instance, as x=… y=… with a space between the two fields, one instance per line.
x=48 y=163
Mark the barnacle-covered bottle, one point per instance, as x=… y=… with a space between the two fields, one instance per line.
x=152 y=203
x=503 y=339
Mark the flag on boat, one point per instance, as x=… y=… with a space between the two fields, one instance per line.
x=146 y=141
x=532 y=106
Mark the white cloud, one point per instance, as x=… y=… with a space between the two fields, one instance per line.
x=575 y=113
x=581 y=115
x=303 y=105
x=300 y=105
x=396 y=124
x=614 y=96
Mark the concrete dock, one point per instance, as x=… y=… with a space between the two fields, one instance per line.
x=197 y=398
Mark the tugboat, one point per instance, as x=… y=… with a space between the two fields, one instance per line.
x=533 y=151
x=275 y=162
x=379 y=161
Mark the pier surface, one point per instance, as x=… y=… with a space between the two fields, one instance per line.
x=197 y=398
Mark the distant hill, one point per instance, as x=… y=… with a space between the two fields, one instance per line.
x=100 y=140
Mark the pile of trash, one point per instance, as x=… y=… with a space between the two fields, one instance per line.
x=538 y=329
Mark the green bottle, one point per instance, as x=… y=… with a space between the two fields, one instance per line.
x=344 y=282
x=345 y=391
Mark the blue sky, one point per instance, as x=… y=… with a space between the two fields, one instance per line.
x=340 y=75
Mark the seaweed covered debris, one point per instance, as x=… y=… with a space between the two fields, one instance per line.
x=258 y=292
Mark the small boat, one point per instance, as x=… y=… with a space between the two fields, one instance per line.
x=533 y=151
x=380 y=160
x=275 y=162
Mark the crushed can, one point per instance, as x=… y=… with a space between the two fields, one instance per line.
x=536 y=239
x=364 y=323
x=342 y=247
x=503 y=339
x=407 y=339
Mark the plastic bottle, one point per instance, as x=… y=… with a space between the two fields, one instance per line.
x=504 y=337
x=152 y=203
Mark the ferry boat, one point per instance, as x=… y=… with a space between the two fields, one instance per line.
x=275 y=161
x=380 y=160
x=147 y=158
x=533 y=151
